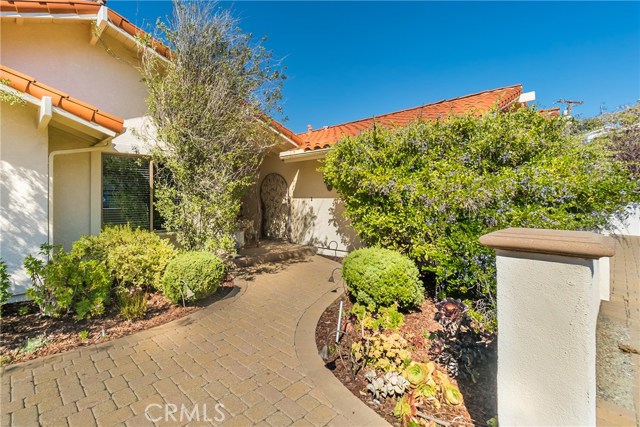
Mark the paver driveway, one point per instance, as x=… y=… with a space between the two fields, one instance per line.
x=238 y=352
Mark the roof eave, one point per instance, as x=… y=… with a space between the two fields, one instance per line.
x=91 y=129
x=103 y=11
x=283 y=136
x=301 y=155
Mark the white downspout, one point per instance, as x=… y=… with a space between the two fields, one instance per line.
x=100 y=146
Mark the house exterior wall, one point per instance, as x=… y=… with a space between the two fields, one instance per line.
x=23 y=189
x=72 y=177
x=631 y=224
x=316 y=213
x=60 y=55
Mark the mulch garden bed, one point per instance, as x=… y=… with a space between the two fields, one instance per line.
x=64 y=334
x=479 y=398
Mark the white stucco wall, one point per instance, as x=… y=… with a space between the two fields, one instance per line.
x=630 y=226
x=316 y=213
x=23 y=189
x=72 y=176
x=547 y=312
x=60 y=55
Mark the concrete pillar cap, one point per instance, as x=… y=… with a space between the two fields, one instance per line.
x=579 y=244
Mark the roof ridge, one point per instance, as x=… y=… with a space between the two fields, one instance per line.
x=414 y=108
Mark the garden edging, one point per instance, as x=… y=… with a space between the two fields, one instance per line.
x=338 y=395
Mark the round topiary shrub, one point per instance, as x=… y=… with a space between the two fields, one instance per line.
x=381 y=277
x=192 y=276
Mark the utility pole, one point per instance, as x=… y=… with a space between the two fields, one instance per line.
x=569 y=103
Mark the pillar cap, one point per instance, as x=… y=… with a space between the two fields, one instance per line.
x=579 y=244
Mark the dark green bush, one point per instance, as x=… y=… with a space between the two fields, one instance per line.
x=192 y=276
x=64 y=284
x=381 y=277
x=432 y=188
x=136 y=259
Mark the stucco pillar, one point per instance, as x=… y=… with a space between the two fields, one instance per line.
x=548 y=296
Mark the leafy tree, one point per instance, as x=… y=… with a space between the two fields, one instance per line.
x=208 y=105
x=622 y=131
x=432 y=188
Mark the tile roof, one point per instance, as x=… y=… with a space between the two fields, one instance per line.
x=286 y=132
x=29 y=85
x=477 y=103
x=551 y=112
x=77 y=7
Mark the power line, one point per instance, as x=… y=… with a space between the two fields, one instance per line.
x=570 y=104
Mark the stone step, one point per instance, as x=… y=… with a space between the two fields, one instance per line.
x=272 y=252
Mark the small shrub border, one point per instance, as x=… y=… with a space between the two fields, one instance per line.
x=136 y=259
x=192 y=276
x=379 y=277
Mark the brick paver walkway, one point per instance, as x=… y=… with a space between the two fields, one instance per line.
x=621 y=317
x=238 y=352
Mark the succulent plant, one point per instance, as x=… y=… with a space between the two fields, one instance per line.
x=396 y=383
x=426 y=390
x=371 y=375
x=451 y=394
x=381 y=352
x=459 y=344
x=389 y=385
x=450 y=309
x=418 y=373
x=406 y=410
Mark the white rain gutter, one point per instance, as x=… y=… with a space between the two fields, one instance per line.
x=285 y=137
x=47 y=112
x=301 y=155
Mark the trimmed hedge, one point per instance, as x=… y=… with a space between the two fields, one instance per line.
x=381 y=277
x=432 y=188
x=136 y=259
x=192 y=276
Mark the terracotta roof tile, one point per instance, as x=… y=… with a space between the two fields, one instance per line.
x=286 y=132
x=29 y=85
x=477 y=103
x=78 y=7
x=551 y=112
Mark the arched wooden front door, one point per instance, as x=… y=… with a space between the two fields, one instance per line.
x=274 y=200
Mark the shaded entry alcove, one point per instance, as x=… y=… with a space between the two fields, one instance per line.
x=275 y=206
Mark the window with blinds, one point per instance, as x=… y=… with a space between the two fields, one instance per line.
x=126 y=191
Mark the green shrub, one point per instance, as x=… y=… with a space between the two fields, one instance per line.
x=432 y=188
x=192 y=276
x=133 y=305
x=64 y=284
x=136 y=259
x=384 y=318
x=381 y=277
x=5 y=284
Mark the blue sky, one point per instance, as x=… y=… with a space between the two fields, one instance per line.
x=351 y=60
